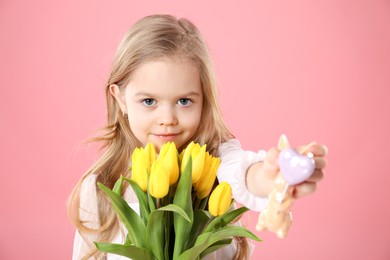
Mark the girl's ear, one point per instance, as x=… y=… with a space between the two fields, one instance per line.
x=119 y=95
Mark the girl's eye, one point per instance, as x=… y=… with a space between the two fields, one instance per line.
x=149 y=102
x=184 y=102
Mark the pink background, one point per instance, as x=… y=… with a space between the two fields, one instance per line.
x=314 y=70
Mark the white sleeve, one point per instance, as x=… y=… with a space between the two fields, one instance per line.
x=234 y=165
x=88 y=215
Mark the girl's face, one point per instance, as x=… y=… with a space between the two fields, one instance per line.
x=163 y=101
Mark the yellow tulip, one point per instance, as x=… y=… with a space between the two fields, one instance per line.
x=197 y=153
x=220 y=199
x=150 y=153
x=181 y=155
x=185 y=155
x=140 y=166
x=205 y=171
x=158 y=180
x=206 y=182
x=198 y=157
x=168 y=157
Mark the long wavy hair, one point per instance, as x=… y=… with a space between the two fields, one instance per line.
x=150 y=38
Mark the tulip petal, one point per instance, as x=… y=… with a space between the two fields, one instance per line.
x=220 y=199
x=158 y=180
x=186 y=156
x=168 y=157
x=206 y=183
x=140 y=168
x=198 y=157
x=150 y=151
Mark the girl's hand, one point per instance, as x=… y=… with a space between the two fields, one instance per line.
x=261 y=176
x=310 y=185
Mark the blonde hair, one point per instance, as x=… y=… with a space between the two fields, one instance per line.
x=150 y=38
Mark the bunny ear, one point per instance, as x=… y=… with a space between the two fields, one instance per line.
x=283 y=142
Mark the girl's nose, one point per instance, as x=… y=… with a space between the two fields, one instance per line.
x=167 y=116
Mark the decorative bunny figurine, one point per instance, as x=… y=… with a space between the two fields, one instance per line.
x=295 y=168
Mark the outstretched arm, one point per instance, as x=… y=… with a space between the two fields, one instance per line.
x=253 y=175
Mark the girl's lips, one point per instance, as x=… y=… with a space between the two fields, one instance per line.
x=166 y=137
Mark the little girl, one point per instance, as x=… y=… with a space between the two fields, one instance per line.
x=161 y=88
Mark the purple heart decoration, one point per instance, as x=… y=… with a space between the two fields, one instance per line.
x=295 y=167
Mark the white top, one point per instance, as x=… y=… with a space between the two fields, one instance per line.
x=233 y=167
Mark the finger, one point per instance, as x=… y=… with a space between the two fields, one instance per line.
x=314 y=148
x=320 y=162
x=317 y=176
x=304 y=189
x=318 y=150
x=272 y=157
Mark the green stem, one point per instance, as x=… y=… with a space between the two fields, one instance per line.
x=168 y=252
x=171 y=194
x=196 y=202
x=203 y=203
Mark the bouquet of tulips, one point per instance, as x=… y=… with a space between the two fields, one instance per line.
x=183 y=215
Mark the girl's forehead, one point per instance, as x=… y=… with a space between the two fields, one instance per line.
x=173 y=59
x=140 y=64
x=171 y=75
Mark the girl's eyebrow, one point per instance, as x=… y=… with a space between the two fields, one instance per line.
x=143 y=93
x=149 y=94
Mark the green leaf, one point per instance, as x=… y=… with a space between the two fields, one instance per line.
x=142 y=198
x=225 y=232
x=177 y=209
x=131 y=252
x=128 y=241
x=183 y=200
x=152 y=202
x=216 y=246
x=206 y=240
x=155 y=233
x=225 y=219
x=133 y=223
x=201 y=219
x=118 y=186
